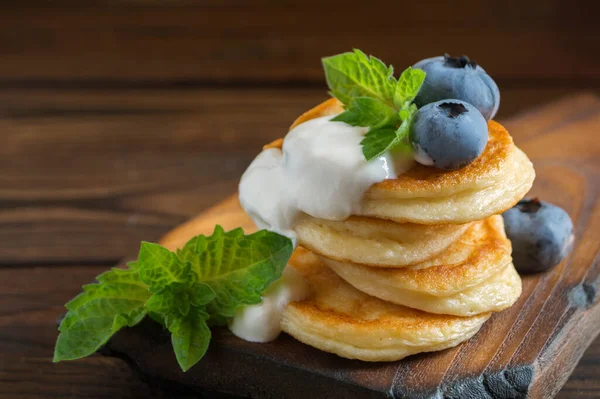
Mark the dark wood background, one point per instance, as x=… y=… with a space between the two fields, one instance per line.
x=121 y=119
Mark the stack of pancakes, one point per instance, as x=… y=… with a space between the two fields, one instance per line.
x=421 y=268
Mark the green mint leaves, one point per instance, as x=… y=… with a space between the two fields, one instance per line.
x=352 y=75
x=373 y=98
x=367 y=111
x=378 y=140
x=100 y=311
x=202 y=284
x=224 y=259
x=190 y=336
x=408 y=87
x=161 y=267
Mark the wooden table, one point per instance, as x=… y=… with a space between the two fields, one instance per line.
x=119 y=121
x=87 y=174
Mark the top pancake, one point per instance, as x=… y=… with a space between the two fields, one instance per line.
x=491 y=184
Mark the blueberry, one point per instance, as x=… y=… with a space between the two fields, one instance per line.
x=541 y=235
x=448 y=134
x=458 y=78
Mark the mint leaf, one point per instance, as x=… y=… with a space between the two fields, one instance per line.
x=130 y=275
x=205 y=282
x=169 y=300
x=366 y=111
x=132 y=264
x=407 y=116
x=190 y=337
x=159 y=267
x=99 y=312
x=404 y=114
x=408 y=87
x=373 y=98
x=353 y=75
x=177 y=298
x=237 y=268
x=378 y=141
x=201 y=294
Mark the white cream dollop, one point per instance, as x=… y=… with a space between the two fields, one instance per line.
x=261 y=322
x=321 y=171
x=422 y=157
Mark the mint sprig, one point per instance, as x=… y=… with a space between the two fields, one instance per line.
x=190 y=337
x=367 y=111
x=202 y=284
x=352 y=75
x=408 y=87
x=373 y=98
x=380 y=139
x=377 y=141
x=223 y=259
x=100 y=311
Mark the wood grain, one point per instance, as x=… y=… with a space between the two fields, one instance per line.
x=31 y=301
x=530 y=348
x=198 y=42
x=37 y=186
x=87 y=174
x=120 y=119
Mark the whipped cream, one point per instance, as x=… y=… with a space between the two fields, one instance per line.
x=422 y=157
x=321 y=171
x=262 y=322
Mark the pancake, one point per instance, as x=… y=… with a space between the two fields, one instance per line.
x=490 y=185
x=481 y=252
x=375 y=242
x=340 y=319
x=474 y=275
x=493 y=295
x=328 y=107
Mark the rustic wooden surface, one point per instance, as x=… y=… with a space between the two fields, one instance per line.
x=120 y=119
x=236 y=41
x=173 y=178
x=87 y=174
x=530 y=348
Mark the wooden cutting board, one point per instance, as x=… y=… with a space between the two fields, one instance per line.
x=528 y=350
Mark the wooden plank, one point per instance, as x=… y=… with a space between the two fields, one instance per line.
x=530 y=348
x=85 y=175
x=32 y=299
x=584 y=382
x=235 y=41
x=143 y=163
x=96 y=377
